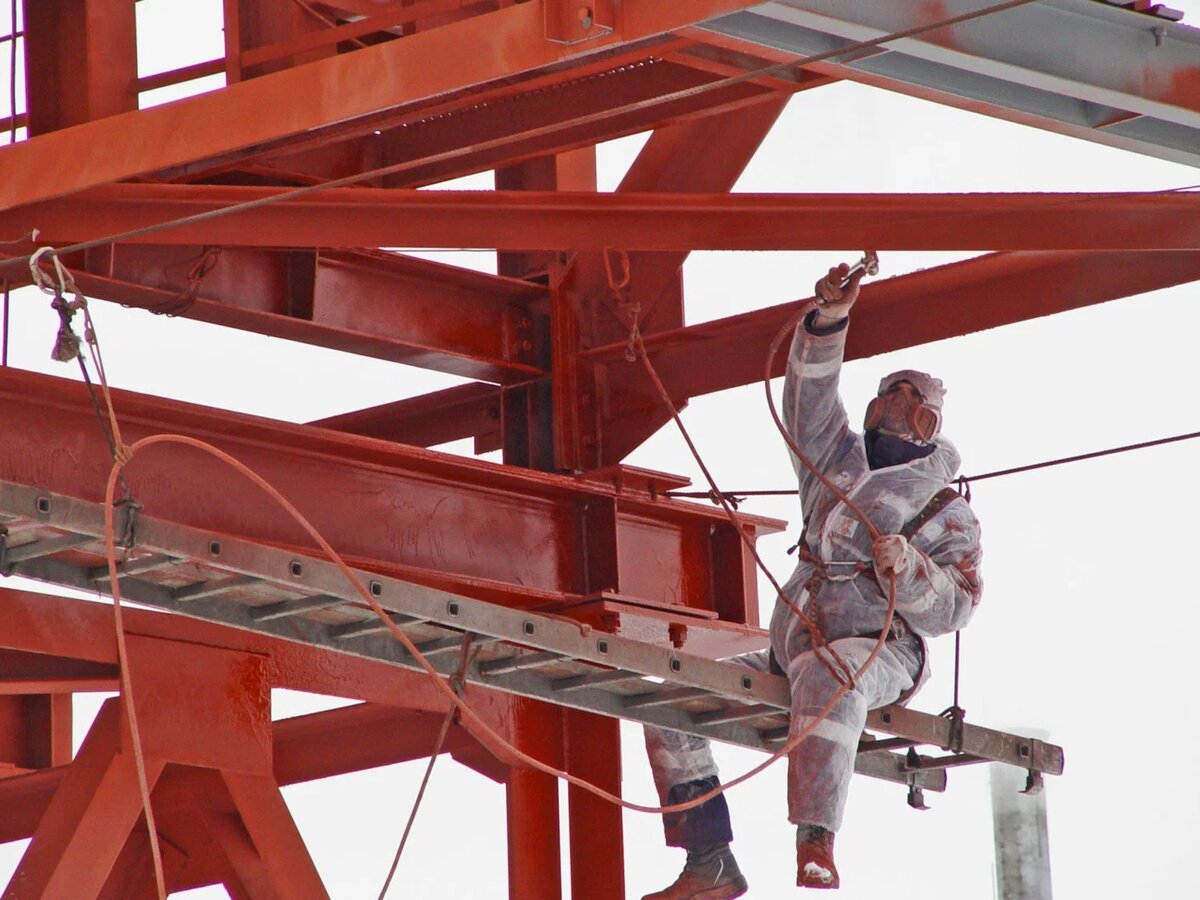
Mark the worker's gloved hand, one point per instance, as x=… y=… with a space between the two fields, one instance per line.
x=891 y=553
x=833 y=300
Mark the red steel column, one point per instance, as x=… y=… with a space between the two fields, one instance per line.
x=35 y=730
x=597 y=836
x=539 y=417
x=534 y=863
x=260 y=24
x=80 y=61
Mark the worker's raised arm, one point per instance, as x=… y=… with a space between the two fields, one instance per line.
x=813 y=412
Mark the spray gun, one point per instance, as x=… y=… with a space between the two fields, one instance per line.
x=869 y=264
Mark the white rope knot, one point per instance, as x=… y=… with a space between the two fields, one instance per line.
x=66 y=281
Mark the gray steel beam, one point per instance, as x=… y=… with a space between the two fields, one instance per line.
x=1078 y=67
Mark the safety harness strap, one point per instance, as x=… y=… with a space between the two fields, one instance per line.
x=940 y=501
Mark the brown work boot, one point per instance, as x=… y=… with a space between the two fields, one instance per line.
x=709 y=875
x=814 y=858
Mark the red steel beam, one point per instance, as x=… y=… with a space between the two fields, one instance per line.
x=490 y=531
x=623 y=102
x=358 y=737
x=521 y=220
x=87 y=820
x=64 y=632
x=27 y=674
x=79 y=631
x=467 y=411
x=355 y=145
x=717 y=149
x=986 y=292
x=306 y=748
x=385 y=305
x=342 y=87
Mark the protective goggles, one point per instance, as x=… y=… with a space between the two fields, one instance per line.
x=898 y=410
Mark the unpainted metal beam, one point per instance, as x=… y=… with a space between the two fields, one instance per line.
x=1129 y=79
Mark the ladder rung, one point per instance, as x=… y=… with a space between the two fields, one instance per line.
x=453 y=644
x=578 y=682
x=285 y=608
x=774 y=735
x=885 y=744
x=663 y=698
x=521 y=661
x=132 y=567
x=212 y=588
x=372 y=625
x=441 y=645
x=737 y=713
x=928 y=763
x=48 y=547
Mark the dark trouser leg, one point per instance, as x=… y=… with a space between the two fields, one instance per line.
x=701 y=826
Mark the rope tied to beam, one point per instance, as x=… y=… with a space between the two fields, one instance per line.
x=626 y=306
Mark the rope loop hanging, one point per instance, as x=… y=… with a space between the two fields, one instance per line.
x=631 y=309
x=44 y=283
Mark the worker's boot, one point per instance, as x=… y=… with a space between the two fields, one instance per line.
x=710 y=874
x=814 y=858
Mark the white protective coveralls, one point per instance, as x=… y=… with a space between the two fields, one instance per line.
x=936 y=591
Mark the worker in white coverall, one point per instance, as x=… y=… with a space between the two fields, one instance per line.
x=896 y=472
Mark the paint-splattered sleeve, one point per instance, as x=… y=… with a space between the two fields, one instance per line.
x=941 y=585
x=813 y=412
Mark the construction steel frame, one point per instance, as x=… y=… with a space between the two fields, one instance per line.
x=375 y=98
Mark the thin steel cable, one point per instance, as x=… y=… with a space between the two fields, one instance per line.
x=957 y=662
x=412 y=815
x=576 y=122
x=466 y=655
x=969 y=479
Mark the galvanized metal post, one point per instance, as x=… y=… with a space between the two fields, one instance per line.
x=1021 y=838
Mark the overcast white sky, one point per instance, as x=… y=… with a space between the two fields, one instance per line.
x=1088 y=622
